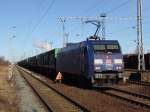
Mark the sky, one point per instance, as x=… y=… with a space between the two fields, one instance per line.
x=26 y=22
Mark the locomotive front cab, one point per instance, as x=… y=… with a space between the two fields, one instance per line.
x=108 y=62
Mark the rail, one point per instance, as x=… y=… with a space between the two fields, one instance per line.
x=134 y=98
x=135 y=70
x=73 y=103
x=143 y=83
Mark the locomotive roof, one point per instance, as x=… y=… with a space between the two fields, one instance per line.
x=83 y=43
x=102 y=41
x=94 y=42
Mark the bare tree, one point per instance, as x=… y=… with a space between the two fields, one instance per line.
x=3 y=61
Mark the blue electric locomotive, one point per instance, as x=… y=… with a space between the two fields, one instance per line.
x=100 y=62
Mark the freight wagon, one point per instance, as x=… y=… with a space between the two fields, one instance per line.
x=44 y=63
x=131 y=61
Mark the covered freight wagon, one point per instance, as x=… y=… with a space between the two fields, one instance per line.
x=44 y=63
x=131 y=61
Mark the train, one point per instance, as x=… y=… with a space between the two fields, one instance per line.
x=131 y=61
x=91 y=62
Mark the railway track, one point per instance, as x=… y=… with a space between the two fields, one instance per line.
x=135 y=98
x=143 y=83
x=135 y=70
x=52 y=99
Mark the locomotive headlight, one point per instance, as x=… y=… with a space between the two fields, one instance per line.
x=97 y=68
x=118 y=68
x=118 y=61
x=98 y=61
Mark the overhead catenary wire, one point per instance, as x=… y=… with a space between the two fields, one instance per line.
x=92 y=7
x=38 y=8
x=42 y=17
x=51 y=3
x=111 y=10
x=84 y=18
x=117 y=7
x=127 y=28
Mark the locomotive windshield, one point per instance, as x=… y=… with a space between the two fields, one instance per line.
x=114 y=48
x=100 y=48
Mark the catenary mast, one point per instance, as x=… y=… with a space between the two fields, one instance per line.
x=141 y=61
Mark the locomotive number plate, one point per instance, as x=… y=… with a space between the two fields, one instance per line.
x=108 y=61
